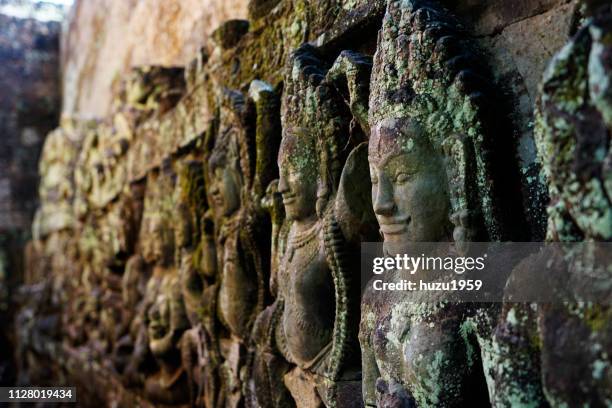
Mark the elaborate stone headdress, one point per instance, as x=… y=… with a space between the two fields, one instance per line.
x=252 y=148
x=319 y=119
x=231 y=147
x=190 y=201
x=424 y=69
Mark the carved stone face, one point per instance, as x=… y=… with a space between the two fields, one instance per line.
x=158 y=242
x=148 y=252
x=225 y=190
x=192 y=287
x=130 y=290
x=409 y=186
x=159 y=328
x=298 y=180
x=182 y=229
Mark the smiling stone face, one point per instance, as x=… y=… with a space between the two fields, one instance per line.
x=159 y=326
x=225 y=191
x=166 y=318
x=298 y=177
x=409 y=185
x=227 y=176
x=158 y=245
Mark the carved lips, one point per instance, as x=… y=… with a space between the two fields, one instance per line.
x=289 y=198
x=393 y=226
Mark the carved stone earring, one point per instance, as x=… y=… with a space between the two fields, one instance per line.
x=462 y=234
x=322 y=197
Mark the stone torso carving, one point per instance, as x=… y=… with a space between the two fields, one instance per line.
x=238 y=290
x=305 y=275
x=419 y=353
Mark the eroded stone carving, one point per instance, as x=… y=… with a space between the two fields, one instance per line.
x=57 y=189
x=196 y=259
x=166 y=322
x=428 y=155
x=573 y=129
x=147 y=352
x=228 y=289
x=239 y=167
x=573 y=135
x=314 y=337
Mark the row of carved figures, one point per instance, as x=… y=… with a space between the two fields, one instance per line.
x=244 y=289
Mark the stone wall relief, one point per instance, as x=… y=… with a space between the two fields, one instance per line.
x=238 y=169
x=573 y=132
x=196 y=259
x=56 y=188
x=166 y=322
x=309 y=347
x=222 y=279
x=430 y=164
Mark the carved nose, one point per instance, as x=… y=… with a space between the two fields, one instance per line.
x=384 y=204
x=214 y=188
x=283 y=187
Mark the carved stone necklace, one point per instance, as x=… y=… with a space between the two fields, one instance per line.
x=298 y=240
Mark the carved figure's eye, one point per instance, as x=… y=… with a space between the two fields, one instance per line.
x=401 y=178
